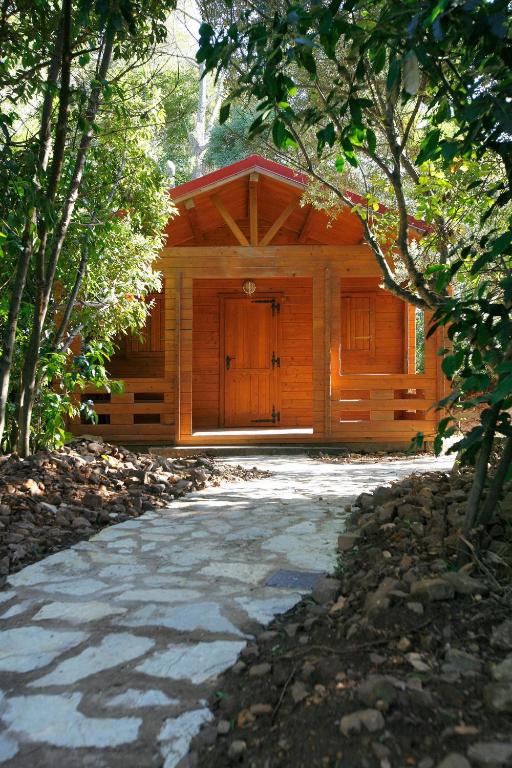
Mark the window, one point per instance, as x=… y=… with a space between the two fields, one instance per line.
x=358 y=325
x=150 y=340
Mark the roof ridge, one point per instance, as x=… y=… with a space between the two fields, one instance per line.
x=272 y=168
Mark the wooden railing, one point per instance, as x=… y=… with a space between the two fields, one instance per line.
x=144 y=410
x=384 y=405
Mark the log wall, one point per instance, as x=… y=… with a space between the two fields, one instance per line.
x=377 y=401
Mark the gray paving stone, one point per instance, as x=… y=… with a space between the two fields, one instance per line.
x=177 y=733
x=264 y=609
x=114 y=649
x=188 y=581
x=145 y=596
x=55 y=720
x=300 y=580
x=184 y=618
x=134 y=699
x=121 y=571
x=249 y=573
x=77 y=613
x=196 y=663
x=17 y=609
x=23 y=649
x=76 y=588
x=8 y=747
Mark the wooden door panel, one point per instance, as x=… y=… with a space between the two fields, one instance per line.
x=250 y=381
x=248 y=399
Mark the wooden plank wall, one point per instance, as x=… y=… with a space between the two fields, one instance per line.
x=313 y=278
x=143 y=351
x=318 y=263
x=388 y=353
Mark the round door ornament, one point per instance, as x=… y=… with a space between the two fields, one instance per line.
x=248 y=287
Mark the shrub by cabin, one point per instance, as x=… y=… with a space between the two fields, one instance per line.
x=271 y=327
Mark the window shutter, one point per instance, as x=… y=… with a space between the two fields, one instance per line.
x=358 y=324
x=150 y=339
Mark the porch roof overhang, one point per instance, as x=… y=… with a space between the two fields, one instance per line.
x=271 y=169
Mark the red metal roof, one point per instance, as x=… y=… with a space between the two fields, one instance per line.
x=254 y=163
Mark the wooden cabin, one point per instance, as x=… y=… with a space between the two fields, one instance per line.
x=272 y=328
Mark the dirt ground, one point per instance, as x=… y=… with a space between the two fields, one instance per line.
x=55 y=498
x=403 y=659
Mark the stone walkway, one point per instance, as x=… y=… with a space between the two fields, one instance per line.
x=108 y=650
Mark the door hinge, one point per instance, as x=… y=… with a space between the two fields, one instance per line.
x=276 y=307
x=276 y=418
x=275 y=360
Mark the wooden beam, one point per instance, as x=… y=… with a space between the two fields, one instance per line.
x=306 y=226
x=278 y=223
x=327 y=349
x=253 y=208
x=231 y=223
x=338 y=252
x=193 y=218
x=273 y=260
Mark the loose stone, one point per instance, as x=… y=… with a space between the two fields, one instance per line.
x=454 y=760
x=371 y=719
x=503 y=670
x=502 y=636
x=223 y=727
x=261 y=709
x=236 y=749
x=298 y=692
x=260 y=670
x=498 y=696
x=491 y=754
x=431 y=590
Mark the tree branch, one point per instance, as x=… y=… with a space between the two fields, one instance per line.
x=389 y=281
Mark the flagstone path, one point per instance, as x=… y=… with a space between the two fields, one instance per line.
x=108 y=650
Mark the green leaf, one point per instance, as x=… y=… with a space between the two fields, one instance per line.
x=505 y=367
x=452 y=363
x=411 y=74
x=325 y=136
x=503 y=390
x=340 y=163
x=371 y=140
x=436 y=11
x=278 y=133
x=224 y=112
x=502 y=243
x=476 y=383
x=393 y=74
x=443 y=424
x=379 y=60
x=429 y=146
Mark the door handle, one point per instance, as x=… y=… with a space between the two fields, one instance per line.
x=228 y=361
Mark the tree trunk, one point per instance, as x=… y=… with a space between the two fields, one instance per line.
x=70 y=305
x=29 y=373
x=8 y=338
x=9 y=334
x=198 y=137
x=496 y=487
x=481 y=470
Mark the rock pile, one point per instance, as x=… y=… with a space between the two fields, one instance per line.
x=405 y=659
x=55 y=498
x=347 y=455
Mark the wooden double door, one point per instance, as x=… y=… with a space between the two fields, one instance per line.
x=250 y=361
